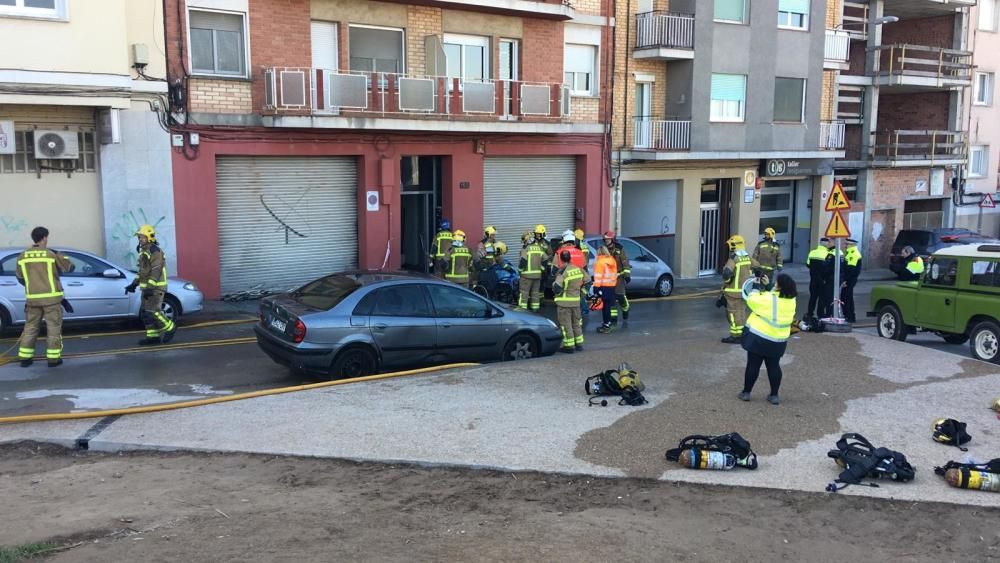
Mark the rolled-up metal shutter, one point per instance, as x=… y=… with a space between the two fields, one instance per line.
x=521 y=192
x=284 y=221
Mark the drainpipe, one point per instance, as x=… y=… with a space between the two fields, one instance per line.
x=628 y=59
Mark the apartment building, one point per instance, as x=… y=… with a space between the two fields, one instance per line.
x=321 y=135
x=718 y=126
x=901 y=98
x=82 y=147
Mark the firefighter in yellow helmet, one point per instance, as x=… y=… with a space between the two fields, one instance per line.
x=152 y=280
x=488 y=243
x=582 y=245
x=458 y=260
x=543 y=242
x=38 y=270
x=532 y=264
x=734 y=274
x=767 y=257
x=442 y=242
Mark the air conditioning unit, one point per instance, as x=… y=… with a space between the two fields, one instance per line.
x=56 y=145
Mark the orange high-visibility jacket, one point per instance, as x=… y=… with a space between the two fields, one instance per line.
x=605 y=272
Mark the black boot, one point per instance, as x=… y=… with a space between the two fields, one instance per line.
x=167 y=336
x=27 y=363
x=149 y=341
x=731 y=340
x=55 y=363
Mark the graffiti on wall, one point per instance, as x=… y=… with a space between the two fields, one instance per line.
x=122 y=235
x=13 y=231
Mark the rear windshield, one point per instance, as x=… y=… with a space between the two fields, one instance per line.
x=325 y=293
x=917 y=239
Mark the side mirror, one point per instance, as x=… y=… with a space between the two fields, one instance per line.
x=112 y=273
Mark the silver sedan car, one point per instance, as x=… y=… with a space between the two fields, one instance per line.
x=353 y=324
x=95 y=288
x=649 y=272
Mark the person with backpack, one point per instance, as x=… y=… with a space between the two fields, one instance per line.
x=766 y=335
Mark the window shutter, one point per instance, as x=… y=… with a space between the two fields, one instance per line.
x=730 y=10
x=728 y=87
x=796 y=6
x=579 y=58
x=217 y=21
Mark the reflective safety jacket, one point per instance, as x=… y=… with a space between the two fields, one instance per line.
x=736 y=271
x=585 y=249
x=605 y=272
x=459 y=259
x=152 y=268
x=486 y=246
x=533 y=259
x=576 y=256
x=767 y=256
x=38 y=270
x=915 y=266
x=820 y=262
x=568 y=286
x=771 y=317
x=852 y=264
x=624 y=268
x=442 y=242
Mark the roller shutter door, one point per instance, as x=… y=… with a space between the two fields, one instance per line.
x=284 y=221
x=521 y=192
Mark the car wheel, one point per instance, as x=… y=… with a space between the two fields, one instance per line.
x=521 y=346
x=664 y=286
x=890 y=323
x=956 y=338
x=985 y=342
x=357 y=361
x=171 y=308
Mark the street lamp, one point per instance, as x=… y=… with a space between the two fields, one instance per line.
x=877 y=21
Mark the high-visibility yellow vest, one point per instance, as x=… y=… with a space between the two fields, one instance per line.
x=853 y=256
x=442 y=242
x=459 y=268
x=572 y=282
x=916 y=266
x=160 y=283
x=819 y=253
x=534 y=255
x=771 y=316
x=740 y=273
x=39 y=287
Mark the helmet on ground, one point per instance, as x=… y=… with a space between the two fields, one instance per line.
x=769 y=232
x=609 y=234
x=569 y=236
x=996 y=404
x=579 y=234
x=501 y=247
x=539 y=229
x=735 y=241
x=490 y=230
x=445 y=225
x=147 y=231
x=460 y=235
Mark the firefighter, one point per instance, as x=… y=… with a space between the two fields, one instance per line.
x=617 y=251
x=567 y=288
x=442 y=242
x=532 y=264
x=543 y=242
x=914 y=265
x=582 y=245
x=852 y=270
x=38 y=270
x=734 y=274
x=819 y=262
x=458 y=260
x=575 y=254
x=152 y=280
x=487 y=244
x=767 y=257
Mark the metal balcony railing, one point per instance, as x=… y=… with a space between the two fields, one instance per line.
x=831 y=135
x=664 y=29
x=926 y=62
x=660 y=134
x=838 y=45
x=918 y=145
x=333 y=92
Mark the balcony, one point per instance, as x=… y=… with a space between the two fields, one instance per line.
x=664 y=36
x=902 y=148
x=910 y=9
x=837 y=51
x=831 y=135
x=544 y=9
x=304 y=97
x=651 y=134
x=914 y=68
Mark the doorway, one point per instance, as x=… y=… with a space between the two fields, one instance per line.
x=420 y=192
x=715 y=225
x=777 y=208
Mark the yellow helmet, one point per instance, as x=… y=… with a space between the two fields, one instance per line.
x=996 y=404
x=501 y=247
x=769 y=232
x=147 y=231
x=539 y=229
x=735 y=241
x=579 y=234
x=459 y=235
x=527 y=237
x=490 y=230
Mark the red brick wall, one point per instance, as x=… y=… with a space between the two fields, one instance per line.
x=932 y=32
x=926 y=110
x=542 y=51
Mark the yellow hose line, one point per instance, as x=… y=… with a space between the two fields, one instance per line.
x=226 y=399
x=128 y=332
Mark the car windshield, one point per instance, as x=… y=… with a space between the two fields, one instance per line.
x=325 y=293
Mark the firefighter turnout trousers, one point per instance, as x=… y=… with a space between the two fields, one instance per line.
x=571 y=324
x=736 y=311
x=152 y=314
x=53 y=315
x=531 y=294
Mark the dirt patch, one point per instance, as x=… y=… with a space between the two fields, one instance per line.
x=215 y=507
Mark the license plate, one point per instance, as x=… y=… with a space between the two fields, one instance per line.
x=278 y=325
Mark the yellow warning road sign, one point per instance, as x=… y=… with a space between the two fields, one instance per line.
x=837 y=227
x=838 y=199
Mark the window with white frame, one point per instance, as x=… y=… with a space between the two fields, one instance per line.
x=988 y=15
x=728 y=97
x=218 y=43
x=730 y=11
x=376 y=49
x=793 y=14
x=53 y=9
x=979 y=161
x=789 y=99
x=983 y=87
x=580 y=68
x=467 y=57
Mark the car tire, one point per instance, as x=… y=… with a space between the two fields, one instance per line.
x=985 y=342
x=521 y=346
x=664 y=286
x=890 y=324
x=352 y=362
x=171 y=308
x=955 y=338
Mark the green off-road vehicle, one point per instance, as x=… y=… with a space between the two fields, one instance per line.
x=958 y=298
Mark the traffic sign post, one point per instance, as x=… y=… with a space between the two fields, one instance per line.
x=837 y=229
x=986 y=203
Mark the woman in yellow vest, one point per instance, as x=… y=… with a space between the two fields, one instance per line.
x=766 y=334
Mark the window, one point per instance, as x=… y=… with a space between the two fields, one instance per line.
x=983 y=89
x=23 y=160
x=580 y=63
x=217 y=43
x=325 y=293
x=375 y=49
x=731 y=11
x=988 y=15
x=793 y=14
x=985 y=273
x=454 y=303
x=789 y=99
x=942 y=272
x=53 y=9
x=467 y=57
x=632 y=249
x=728 y=97
x=401 y=301
x=979 y=160
x=8 y=265
x=85 y=266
